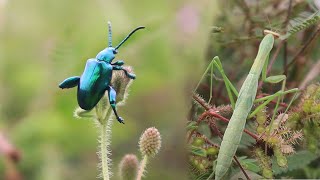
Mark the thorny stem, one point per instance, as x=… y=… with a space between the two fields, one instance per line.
x=142 y=167
x=227 y=120
x=203 y=104
x=210 y=111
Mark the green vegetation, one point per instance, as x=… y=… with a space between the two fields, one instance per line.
x=281 y=139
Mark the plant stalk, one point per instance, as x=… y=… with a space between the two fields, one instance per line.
x=142 y=167
x=105 y=135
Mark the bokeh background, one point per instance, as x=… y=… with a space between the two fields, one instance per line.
x=43 y=42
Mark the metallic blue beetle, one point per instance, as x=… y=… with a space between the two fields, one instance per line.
x=97 y=75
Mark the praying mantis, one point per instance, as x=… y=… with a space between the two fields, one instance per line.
x=245 y=101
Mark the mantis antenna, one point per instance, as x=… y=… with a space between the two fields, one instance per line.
x=110 y=34
x=126 y=38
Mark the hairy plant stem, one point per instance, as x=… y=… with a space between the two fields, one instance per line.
x=142 y=167
x=105 y=123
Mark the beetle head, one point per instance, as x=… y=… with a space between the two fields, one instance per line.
x=107 y=55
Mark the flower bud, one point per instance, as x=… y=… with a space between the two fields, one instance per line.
x=120 y=82
x=198 y=142
x=212 y=150
x=267 y=173
x=150 y=142
x=281 y=159
x=128 y=167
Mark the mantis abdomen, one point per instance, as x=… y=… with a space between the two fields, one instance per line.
x=247 y=94
x=233 y=133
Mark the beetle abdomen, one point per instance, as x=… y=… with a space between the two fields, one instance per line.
x=93 y=83
x=88 y=101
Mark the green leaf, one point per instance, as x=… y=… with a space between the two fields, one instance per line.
x=295 y=161
x=240 y=175
x=275 y=79
x=192 y=126
x=198 y=151
x=249 y=164
x=300 y=23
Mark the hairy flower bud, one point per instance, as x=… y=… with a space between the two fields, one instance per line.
x=128 y=167
x=150 y=142
x=120 y=82
x=281 y=159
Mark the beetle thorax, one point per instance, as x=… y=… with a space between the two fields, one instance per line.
x=107 y=55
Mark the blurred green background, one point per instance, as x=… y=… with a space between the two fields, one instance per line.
x=44 y=42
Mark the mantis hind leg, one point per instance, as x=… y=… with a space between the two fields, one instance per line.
x=70 y=82
x=112 y=100
x=230 y=88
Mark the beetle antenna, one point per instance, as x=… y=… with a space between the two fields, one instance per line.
x=110 y=34
x=124 y=40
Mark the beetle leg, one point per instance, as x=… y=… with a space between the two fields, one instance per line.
x=112 y=99
x=118 y=63
x=70 y=82
x=130 y=75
